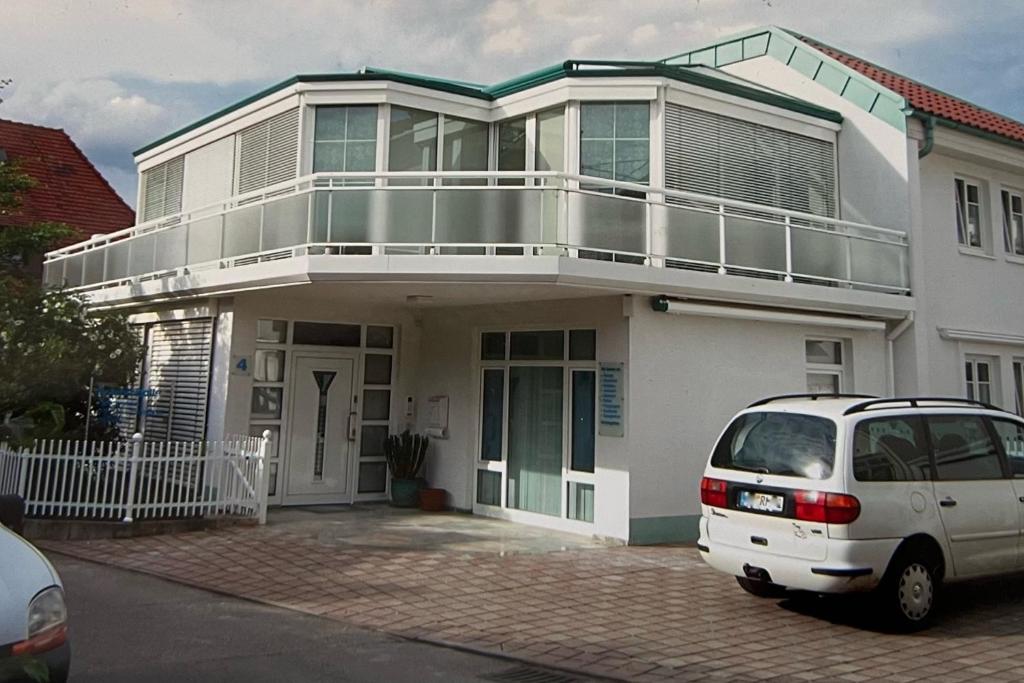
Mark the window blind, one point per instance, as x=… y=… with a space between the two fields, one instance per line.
x=721 y=156
x=268 y=152
x=161 y=189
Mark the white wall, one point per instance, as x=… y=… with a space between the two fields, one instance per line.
x=963 y=289
x=690 y=374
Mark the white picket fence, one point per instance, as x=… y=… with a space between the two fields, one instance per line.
x=137 y=479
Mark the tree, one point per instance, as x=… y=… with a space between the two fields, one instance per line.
x=51 y=345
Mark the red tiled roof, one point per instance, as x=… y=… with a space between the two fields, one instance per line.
x=926 y=99
x=68 y=187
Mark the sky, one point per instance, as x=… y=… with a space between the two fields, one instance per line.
x=119 y=74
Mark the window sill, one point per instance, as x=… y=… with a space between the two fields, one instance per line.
x=1015 y=258
x=977 y=253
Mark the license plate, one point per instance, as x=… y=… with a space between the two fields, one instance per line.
x=762 y=502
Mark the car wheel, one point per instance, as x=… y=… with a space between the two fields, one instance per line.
x=762 y=589
x=909 y=592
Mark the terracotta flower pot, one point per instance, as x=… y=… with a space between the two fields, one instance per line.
x=433 y=500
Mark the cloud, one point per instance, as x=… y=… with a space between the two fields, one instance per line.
x=116 y=75
x=642 y=35
x=510 y=41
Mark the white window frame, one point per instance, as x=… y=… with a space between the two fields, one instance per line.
x=973 y=384
x=1013 y=221
x=837 y=370
x=961 y=185
x=1017 y=369
x=568 y=474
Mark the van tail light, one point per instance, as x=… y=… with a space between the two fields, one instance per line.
x=712 y=492
x=830 y=508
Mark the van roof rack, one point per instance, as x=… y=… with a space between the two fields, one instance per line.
x=915 y=402
x=813 y=397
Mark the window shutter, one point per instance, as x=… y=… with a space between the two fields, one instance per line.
x=161 y=189
x=178 y=368
x=725 y=157
x=268 y=152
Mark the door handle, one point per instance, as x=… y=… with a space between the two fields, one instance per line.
x=947 y=502
x=352 y=426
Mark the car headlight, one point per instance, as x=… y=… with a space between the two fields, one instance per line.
x=46 y=611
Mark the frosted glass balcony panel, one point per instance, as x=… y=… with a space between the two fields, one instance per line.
x=350 y=215
x=819 y=254
x=605 y=222
x=878 y=263
x=73 y=271
x=117 y=260
x=489 y=216
x=93 y=266
x=285 y=222
x=398 y=216
x=242 y=231
x=204 y=240
x=142 y=255
x=53 y=273
x=685 y=234
x=170 y=248
x=750 y=243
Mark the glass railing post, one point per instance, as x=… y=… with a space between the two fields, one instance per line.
x=721 y=239
x=789 y=249
x=433 y=221
x=106 y=261
x=849 y=260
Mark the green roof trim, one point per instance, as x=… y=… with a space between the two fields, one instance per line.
x=783 y=46
x=571 y=68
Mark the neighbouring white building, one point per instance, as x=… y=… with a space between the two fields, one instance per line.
x=572 y=279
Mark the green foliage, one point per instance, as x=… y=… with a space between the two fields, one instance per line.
x=51 y=345
x=405 y=454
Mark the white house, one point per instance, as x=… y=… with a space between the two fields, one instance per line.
x=571 y=279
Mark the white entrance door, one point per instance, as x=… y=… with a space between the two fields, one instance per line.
x=321 y=432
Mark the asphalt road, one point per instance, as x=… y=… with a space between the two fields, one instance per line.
x=132 y=627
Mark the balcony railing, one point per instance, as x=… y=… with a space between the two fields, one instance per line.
x=492 y=213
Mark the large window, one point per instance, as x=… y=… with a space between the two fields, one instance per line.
x=550 y=152
x=512 y=148
x=413 y=140
x=465 y=147
x=824 y=366
x=1013 y=222
x=615 y=141
x=978 y=371
x=968 y=213
x=345 y=139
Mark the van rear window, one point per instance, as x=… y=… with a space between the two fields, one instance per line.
x=787 y=444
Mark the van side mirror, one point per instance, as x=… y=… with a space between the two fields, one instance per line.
x=12 y=513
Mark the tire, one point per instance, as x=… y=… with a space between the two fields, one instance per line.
x=909 y=592
x=761 y=589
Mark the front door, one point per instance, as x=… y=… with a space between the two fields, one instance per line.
x=321 y=434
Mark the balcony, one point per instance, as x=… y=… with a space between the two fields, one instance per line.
x=499 y=214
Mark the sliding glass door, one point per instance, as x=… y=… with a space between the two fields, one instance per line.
x=535 y=439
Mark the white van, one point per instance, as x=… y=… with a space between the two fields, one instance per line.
x=836 y=494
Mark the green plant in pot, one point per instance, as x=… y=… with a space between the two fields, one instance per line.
x=405 y=453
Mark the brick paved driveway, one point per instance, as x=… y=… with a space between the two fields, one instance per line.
x=643 y=614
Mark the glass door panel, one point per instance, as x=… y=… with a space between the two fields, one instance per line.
x=534 y=468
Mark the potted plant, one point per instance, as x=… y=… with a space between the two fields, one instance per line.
x=405 y=454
